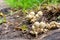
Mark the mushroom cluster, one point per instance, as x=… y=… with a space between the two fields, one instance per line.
x=32 y=16
x=40 y=27
x=43 y=27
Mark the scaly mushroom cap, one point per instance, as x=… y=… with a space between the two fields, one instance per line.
x=29 y=16
x=45 y=30
x=36 y=24
x=40 y=13
x=37 y=16
x=32 y=13
x=53 y=24
x=42 y=25
x=33 y=19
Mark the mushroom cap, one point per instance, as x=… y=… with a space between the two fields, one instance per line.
x=42 y=24
x=32 y=13
x=40 y=13
x=53 y=23
x=45 y=30
x=29 y=16
x=33 y=19
x=33 y=26
x=36 y=24
x=37 y=16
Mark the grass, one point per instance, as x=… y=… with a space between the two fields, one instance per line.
x=29 y=4
x=24 y=4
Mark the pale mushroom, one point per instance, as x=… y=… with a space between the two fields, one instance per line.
x=40 y=13
x=32 y=13
x=33 y=27
x=33 y=20
x=37 y=16
x=42 y=25
x=34 y=32
x=37 y=24
x=29 y=16
x=45 y=30
x=53 y=24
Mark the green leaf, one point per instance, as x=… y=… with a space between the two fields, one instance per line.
x=24 y=27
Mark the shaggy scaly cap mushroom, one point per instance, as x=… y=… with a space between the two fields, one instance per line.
x=42 y=24
x=35 y=28
x=40 y=13
x=33 y=19
x=37 y=16
x=45 y=30
x=36 y=24
x=53 y=24
x=32 y=13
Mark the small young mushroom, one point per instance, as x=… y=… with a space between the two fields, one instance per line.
x=42 y=25
x=29 y=16
x=32 y=32
x=37 y=16
x=41 y=29
x=33 y=19
x=53 y=24
x=36 y=30
x=45 y=30
x=32 y=13
x=33 y=27
x=40 y=13
x=37 y=24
